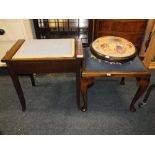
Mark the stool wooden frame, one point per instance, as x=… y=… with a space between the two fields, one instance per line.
x=88 y=77
x=43 y=65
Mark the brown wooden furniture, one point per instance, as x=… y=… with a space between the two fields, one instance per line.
x=149 y=62
x=150 y=50
x=42 y=65
x=99 y=68
x=4 y=47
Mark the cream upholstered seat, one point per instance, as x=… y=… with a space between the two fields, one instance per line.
x=46 y=48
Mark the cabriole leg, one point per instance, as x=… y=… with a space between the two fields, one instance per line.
x=143 y=84
x=85 y=84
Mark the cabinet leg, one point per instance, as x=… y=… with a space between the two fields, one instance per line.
x=143 y=84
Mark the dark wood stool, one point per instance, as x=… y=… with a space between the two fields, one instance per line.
x=99 y=68
x=36 y=56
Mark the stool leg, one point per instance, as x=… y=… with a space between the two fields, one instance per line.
x=32 y=79
x=84 y=93
x=122 y=82
x=19 y=90
x=144 y=102
x=85 y=84
x=148 y=93
x=143 y=84
x=78 y=84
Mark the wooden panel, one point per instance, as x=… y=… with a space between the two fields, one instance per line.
x=150 y=52
x=133 y=37
x=121 y=26
x=148 y=29
x=129 y=27
x=115 y=74
x=43 y=66
x=132 y=29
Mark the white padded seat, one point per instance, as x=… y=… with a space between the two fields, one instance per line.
x=46 y=48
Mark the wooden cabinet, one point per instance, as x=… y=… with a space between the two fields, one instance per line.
x=131 y=29
x=149 y=59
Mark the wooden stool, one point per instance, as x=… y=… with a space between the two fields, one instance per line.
x=99 y=68
x=44 y=56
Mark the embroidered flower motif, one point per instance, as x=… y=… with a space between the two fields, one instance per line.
x=129 y=45
x=104 y=45
x=120 y=49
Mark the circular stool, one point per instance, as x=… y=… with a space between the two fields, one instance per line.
x=113 y=49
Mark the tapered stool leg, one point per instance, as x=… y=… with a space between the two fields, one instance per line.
x=32 y=79
x=19 y=90
x=148 y=93
x=143 y=84
x=122 y=82
x=78 y=83
x=144 y=102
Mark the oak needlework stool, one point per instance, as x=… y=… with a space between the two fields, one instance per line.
x=94 y=67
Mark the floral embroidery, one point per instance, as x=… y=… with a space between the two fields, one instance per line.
x=113 y=46
x=120 y=49
x=104 y=45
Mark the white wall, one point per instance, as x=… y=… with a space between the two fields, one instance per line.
x=16 y=29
